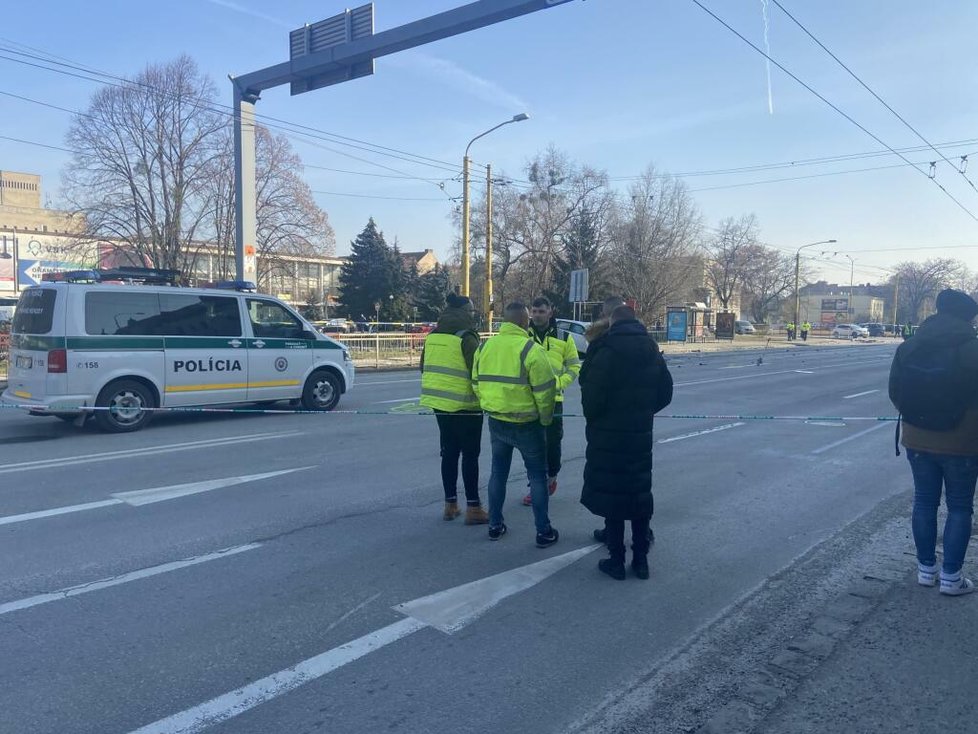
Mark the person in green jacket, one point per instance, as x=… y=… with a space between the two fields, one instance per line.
x=566 y=365
x=446 y=388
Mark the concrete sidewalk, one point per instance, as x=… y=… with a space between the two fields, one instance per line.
x=911 y=665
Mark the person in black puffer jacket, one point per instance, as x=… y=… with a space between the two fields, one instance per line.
x=625 y=381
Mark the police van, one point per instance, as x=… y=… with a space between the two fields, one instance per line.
x=127 y=339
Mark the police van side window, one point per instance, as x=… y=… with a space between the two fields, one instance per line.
x=121 y=313
x=269 y=320
x=192 y=315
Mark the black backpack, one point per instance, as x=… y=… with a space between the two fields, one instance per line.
x=932 y=388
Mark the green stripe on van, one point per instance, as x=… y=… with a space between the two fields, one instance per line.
x=318 y=344
x=31 y=343
x=114 y=343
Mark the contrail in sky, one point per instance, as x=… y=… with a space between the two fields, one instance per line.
x=767 y=47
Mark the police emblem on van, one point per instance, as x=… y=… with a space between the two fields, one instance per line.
x=281 y=364
x=207 y=365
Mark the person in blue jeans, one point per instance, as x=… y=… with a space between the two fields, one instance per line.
x=932 y=383
x=516 y=386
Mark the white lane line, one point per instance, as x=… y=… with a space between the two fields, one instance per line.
x=27 y=516
x=398 y=400
x=860 y=394
x=254 y=694
x=853 y=437
x=141 y=497
x=737 y=366
x=448 y=611
x=805 y=372
x=33 y=601
x=701 y=433
x=144 y=451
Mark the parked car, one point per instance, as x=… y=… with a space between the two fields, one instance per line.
x=874 y=329
x=576 y=329
x=744 y=327
x=849 y=331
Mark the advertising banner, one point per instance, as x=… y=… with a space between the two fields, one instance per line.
x=725 y=326
x=676 y=324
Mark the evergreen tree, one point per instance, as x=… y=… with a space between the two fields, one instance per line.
x=431 y=293
x=581 y=250
x=373 y=274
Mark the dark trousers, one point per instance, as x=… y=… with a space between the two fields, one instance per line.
x=615 y=536
x=460 y=435
x=804 y=336
x=555 y=434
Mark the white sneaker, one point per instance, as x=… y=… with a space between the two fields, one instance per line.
x=927 y=575
x=956 y=586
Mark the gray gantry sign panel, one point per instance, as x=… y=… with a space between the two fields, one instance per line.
x=579 y=286
x=351 y=25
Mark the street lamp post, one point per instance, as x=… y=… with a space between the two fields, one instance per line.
x=852 y=269
x=465 y=198
x=798 y=272
x=488 y=290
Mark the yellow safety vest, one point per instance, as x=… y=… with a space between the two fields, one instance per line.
x=513 y=378
x=562 y=354
x=445 y=380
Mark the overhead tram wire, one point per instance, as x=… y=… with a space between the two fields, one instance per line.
x=835 y=107
x=878 y=98
x=226 y=110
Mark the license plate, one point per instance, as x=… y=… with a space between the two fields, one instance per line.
x=24 y=363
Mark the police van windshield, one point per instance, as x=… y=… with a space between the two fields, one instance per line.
x=35 y=311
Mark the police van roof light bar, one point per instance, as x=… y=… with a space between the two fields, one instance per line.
x=245 y=286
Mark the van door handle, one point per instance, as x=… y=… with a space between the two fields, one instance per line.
x=235 y=343
x=259 y=343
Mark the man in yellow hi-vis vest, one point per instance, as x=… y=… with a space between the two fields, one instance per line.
x=566 y=365
x=516 y=386
x=446 y=388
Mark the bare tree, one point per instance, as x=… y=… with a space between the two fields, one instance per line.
x=653 y=244
x=289 y=222
x=532 y=222
x=728 y=257
x=141 y=161
x=920 y=283
x=769 y=282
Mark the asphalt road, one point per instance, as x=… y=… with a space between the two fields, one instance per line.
x=173 y=572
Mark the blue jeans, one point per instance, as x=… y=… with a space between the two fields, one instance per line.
x=957 y=475
x=531 y=441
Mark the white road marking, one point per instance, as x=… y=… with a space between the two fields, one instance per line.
x=859 y=394
x=142 y=497
x=353 y=611
x=27 y=516
x=452 y=609
x=247 y=697
x=805 y=372
x=448 y=610
x=398 y=400
x=853 y=437
x=701 y=433
x=738 y=366
x=778 y=372
x=33 y=601
x=144 y=451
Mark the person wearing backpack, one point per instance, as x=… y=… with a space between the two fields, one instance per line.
x=933 y=384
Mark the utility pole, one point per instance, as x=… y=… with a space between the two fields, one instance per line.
x=896 y=296
x=488 y=293
x=465 y=225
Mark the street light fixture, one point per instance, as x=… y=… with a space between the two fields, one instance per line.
x=798 y=271
x=465 y=197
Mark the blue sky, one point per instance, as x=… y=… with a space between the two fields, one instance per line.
x=617 y=84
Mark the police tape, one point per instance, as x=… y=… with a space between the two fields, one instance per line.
x=414 y=410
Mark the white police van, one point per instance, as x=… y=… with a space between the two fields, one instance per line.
x=97 y=339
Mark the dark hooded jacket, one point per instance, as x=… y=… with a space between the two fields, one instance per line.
x=624 y=383
x=940 y=330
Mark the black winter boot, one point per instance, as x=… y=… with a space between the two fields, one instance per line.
x=614 y=566
x=640 y=565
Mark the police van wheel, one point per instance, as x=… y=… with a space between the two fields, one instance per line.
x=125 y=400
x=322 y=391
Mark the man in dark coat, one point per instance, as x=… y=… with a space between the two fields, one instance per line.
x=625 y=381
